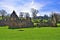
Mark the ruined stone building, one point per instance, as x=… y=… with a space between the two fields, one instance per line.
x=14 y=22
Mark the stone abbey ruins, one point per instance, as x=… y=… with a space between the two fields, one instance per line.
x=14 y=22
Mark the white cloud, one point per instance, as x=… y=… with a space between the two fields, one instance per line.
x=10 y=5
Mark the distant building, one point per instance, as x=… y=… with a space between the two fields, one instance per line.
x=14 y=22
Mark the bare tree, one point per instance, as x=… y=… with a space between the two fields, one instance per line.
x=3 y=13
x=8 y=15
x=34 y=12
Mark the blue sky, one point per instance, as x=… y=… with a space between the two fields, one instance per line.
x=44 y=6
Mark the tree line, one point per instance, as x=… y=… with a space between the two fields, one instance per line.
x=54 y=18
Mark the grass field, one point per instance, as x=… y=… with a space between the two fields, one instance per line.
x=43 y=33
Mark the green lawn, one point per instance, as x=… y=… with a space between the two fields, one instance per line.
x=43 y=33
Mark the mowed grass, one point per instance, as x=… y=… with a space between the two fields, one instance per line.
x=43 y=33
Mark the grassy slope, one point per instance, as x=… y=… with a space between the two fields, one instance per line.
x=0 y=17
x=46 y=33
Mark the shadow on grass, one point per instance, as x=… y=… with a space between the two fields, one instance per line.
x=21 y=30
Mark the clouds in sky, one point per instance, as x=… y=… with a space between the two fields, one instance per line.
x=44 y=6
